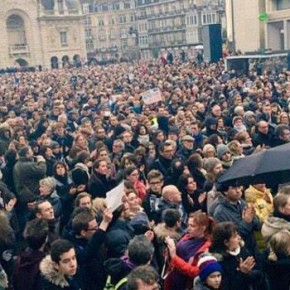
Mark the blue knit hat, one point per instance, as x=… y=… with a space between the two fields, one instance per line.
x=207 y=265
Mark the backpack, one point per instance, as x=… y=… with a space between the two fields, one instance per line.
x=110 y=286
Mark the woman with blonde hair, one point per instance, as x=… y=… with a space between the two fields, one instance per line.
x=208 y=151
x=277 y=261
x=236 y=149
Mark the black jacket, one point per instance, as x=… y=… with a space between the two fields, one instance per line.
x=164 y=166
x=277 y=272
x=118 y=237
x=27 y=270
x=91 y=256
x=99 y=185
x=233 y=279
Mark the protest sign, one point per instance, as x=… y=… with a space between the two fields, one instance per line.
x=115 y=196
x=151 y=96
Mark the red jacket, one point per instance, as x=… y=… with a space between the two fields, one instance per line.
x=188 y=270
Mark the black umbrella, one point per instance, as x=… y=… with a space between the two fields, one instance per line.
x=271 y=166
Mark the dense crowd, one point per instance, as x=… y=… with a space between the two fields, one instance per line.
x=69 y=136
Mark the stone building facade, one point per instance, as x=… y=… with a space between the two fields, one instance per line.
x=49 y=33
x=146 y=28
x=277 y=30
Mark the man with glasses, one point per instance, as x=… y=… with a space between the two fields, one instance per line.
x=152 y=201
x=163 y=162
x=88 y=237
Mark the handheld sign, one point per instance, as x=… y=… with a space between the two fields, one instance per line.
x=151 y=96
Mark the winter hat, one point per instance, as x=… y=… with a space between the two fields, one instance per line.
x=221 y=150
x=207 y=265
x=249 y=114
x=237 y=118
x=210 y=121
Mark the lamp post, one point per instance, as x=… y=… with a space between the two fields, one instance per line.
x=135 y=33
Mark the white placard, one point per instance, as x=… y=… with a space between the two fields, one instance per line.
x=152 y=96
x=115 y=196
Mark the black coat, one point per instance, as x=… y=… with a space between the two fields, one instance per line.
x=118 y=237
x=27 y=270
x=91 y=256
x=277 y=272
x=233 y=279
x=99 y=185
x=164 y=166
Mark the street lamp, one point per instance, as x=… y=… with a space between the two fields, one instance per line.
x=134 y=33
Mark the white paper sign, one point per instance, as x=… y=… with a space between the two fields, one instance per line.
x=152 y=96
x=115 y=196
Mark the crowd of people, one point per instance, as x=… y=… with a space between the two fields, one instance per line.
x=69 y=136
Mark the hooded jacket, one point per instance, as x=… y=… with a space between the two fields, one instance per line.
x=27 y=270
x=273 y=225
x=161 y=232
x=52 y=279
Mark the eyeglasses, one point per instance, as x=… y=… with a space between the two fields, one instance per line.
x=92 y=230
x=155 y=183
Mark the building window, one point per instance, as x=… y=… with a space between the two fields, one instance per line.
x=282 y=4
x=102 y=35
x=101 y=22
x=127 y=5
x=86 y=8
x=112 y=33
x=63 y=38
x=116 y=6
x=208 y=18
x=60 y=6
x=88 y=20
x=88 y=33
x=122 y=18
x=89 y=46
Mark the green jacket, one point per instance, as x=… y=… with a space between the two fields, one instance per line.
x=26 y=177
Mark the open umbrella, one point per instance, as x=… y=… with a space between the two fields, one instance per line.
x=271 y=166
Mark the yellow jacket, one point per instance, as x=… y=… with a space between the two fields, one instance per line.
x=256 y=197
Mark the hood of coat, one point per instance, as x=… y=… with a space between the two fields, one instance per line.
x=273 y=225
x=30 y=257
x=51 y=274
x=161 y=232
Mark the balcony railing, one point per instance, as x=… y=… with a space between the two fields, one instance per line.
x=124 y=36
x=61 y=12
x=19 y=49
x=73 y=11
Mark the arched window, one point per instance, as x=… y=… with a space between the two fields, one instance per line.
x=16 y=30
